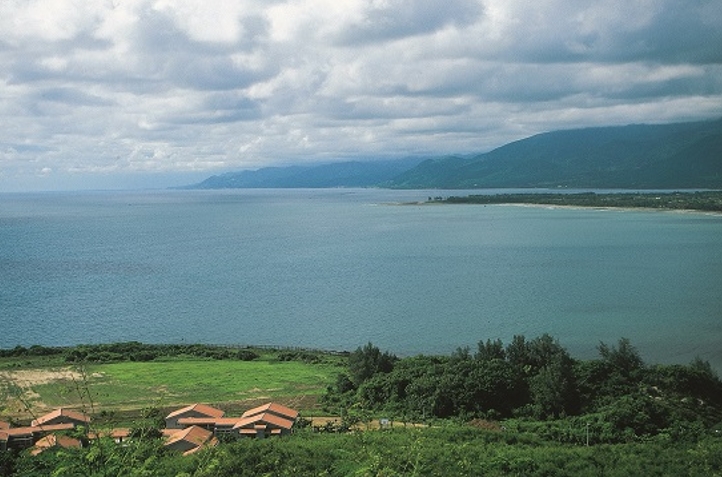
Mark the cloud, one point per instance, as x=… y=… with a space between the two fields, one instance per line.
x=393 y=19
x=118 y=87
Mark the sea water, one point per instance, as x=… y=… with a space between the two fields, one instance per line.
x=335 y=269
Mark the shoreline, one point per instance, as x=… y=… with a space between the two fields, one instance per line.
x=709 y=203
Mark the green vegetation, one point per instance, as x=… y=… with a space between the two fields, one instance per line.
x=667 y=156
x=535 y=384
x=133 y=376
x=138 y=385
x=525 y=408
x=702 y=201
x=440 y=451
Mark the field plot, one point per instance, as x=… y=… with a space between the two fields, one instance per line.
x=135 y=385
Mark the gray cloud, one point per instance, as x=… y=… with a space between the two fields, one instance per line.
x=189 y=87
x=395 y=19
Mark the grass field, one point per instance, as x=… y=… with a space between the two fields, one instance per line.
x=136 y=385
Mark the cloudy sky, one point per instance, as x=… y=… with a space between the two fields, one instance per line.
x=135 y=93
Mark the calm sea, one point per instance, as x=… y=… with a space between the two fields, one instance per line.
x=334 y=269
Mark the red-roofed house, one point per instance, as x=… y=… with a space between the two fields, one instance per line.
x=24 y=437
x=202 y=411
x=191 y=440
x=62 y=416
x=273 y=408
x=17 y=438
x=263 y=425
x=54 y=440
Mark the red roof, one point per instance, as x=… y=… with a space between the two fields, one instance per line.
x=194 y=436
x=203 y=409
x=61 y=412
x=198 y=421
x=265 y=418
x=274 y=408
x=27 y=431
x=54 y=440
x=4 y=425
x=227 y=421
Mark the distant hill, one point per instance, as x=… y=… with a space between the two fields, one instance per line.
x=680 y=155
x=342 y=174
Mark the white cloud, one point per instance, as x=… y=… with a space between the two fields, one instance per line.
x=125 y=86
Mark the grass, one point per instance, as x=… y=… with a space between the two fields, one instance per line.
x=136 y=385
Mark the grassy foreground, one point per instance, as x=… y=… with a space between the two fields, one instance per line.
x=128 y=384
x=33 y=385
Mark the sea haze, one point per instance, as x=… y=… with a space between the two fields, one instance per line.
x=334 y=269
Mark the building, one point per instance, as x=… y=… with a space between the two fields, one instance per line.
x=25 y=437
x=62 y=416
x=262 y=421
x=198 y=411
x=190 y=440
x=263 y=425
x=53 y=441
x=274 y=409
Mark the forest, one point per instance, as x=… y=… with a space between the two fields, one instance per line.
x=707 y=201
x=522 y=408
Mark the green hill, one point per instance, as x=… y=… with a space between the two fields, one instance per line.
x=681 y=155
x=668 y=156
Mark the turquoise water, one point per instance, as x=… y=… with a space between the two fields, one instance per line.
x=334 y=269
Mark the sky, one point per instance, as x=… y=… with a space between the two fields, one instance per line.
x=154 y=93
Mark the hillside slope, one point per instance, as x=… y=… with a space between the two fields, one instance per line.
x=342 y=174
x=681 y=155
x=668 y=156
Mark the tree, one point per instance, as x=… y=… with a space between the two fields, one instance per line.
x=553 y=388
x=367 y=361
x=490 y=350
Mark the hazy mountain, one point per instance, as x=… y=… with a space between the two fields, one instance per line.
x=680 y=155
x=342 y=174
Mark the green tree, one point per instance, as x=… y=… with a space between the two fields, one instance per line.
x=367 y=361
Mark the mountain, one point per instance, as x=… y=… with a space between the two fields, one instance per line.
x=680 y=155
x=667 y=156
x=342 y=174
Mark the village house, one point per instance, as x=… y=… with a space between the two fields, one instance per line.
x=62 y=416
x=275 y=409
x=53 y=441
x=262 y=421
x=191 y=440
x=198 y=411
x=26 y=436
x=263 y=425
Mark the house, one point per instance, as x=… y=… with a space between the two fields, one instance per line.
x=269 y=419
x=118 y=434
x=25 y=437
x=191 y=440
x=4 y=425
x=263 y=424
x=225 y=426
x=275 y=409
x=62 y=416
x=53 y=441
x=17 y=438
x=202 y=411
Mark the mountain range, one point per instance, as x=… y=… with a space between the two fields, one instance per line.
x=663 y=156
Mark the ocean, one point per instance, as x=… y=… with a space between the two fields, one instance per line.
x=334 y=269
